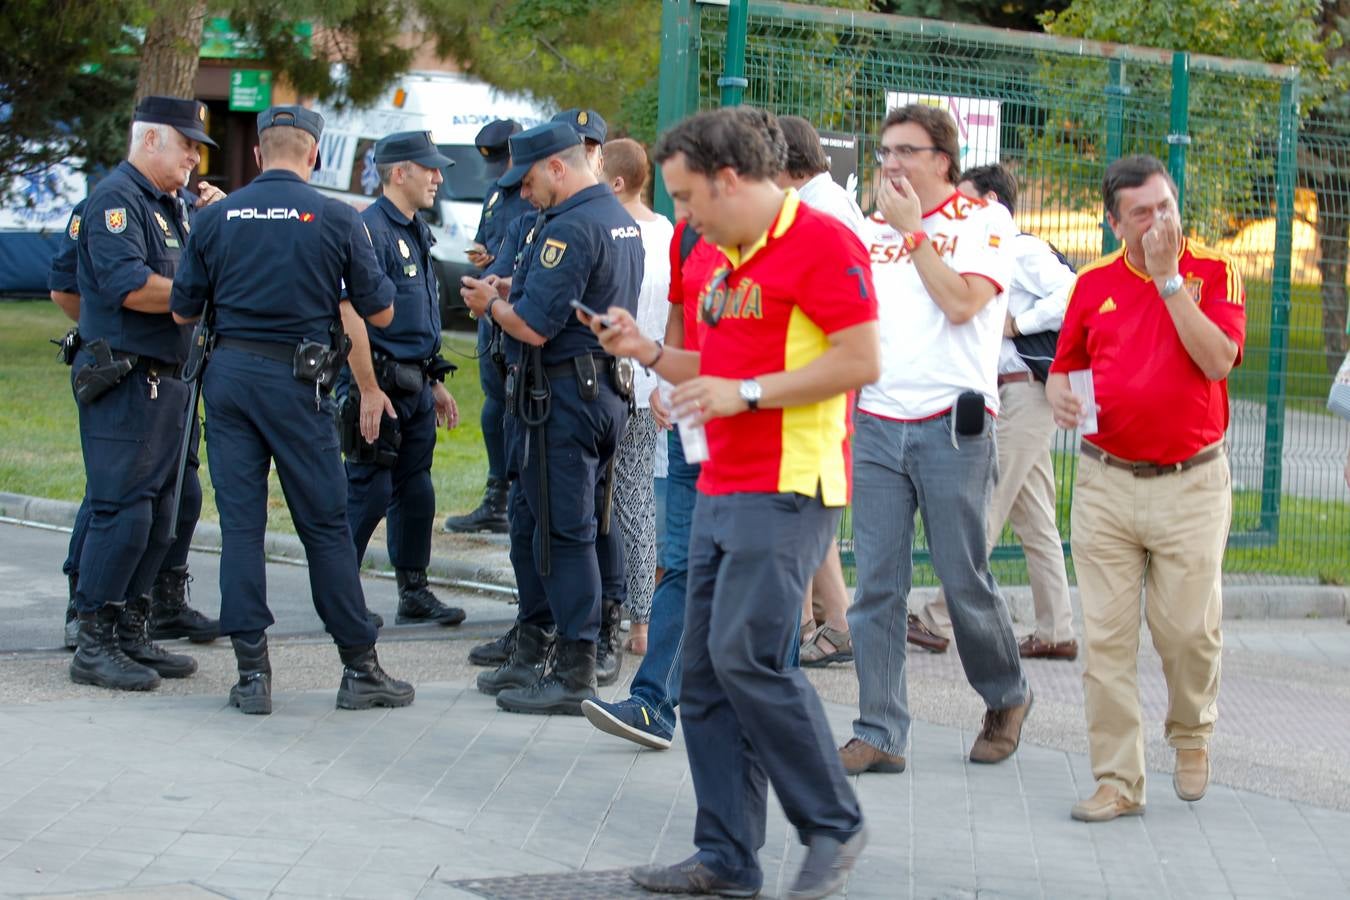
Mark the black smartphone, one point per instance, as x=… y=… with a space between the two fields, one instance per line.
x=969 y=413
x=604 y=320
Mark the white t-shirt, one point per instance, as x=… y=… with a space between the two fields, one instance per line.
x=927 y=361
x=654 y=296
x=1038 y=295
x=823 y=194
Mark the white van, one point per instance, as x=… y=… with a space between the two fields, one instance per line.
x=454 y=108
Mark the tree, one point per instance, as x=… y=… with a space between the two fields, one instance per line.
x=171 y=49
x=1018 y=14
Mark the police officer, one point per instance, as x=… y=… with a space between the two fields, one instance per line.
x=393 y=474
x=591 y=127
x=566 y=411
x=502 y=206
x=130 y=399
x=267 y=267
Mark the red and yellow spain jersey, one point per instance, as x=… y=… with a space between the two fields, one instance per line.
x=781 y=299
x=1154 y=404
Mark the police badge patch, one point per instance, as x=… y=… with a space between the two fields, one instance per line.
x=552 y=253
x=403 y=249
x=163 y=225
x=74 y=229
x=115 y=219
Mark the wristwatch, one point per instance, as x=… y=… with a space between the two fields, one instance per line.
x=751 y=392
x=1171 y=286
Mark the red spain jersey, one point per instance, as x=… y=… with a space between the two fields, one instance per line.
x=687 y=277
x=1154 y=404
x=781 y=299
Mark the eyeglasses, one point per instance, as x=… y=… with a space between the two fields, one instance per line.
x=901 y=151
x=715 y=297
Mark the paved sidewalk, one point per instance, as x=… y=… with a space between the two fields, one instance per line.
x=443 y=798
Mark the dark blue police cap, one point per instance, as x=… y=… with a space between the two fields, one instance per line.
x=534 y=144
x=587 y=122
x=492 y=140
x=307 y=120
x=413 y=146
x=187 y=117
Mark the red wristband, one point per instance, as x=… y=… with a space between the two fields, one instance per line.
x=913 y=239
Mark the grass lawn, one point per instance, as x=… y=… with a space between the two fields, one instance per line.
x=40 y=450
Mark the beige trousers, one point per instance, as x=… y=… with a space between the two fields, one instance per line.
x=1024 y=495
x=1165 y=535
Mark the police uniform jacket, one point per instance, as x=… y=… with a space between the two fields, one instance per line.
x=402 y=247
x=586 y=248
x=501 y=207
x=273 y=258
x=130 y=230
x=62 y=274
x=504 y=263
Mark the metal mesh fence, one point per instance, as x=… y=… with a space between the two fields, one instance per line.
x=1057 y=112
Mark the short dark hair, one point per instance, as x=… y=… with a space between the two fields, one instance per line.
x=941 y=128
x=1131 y=172
x=719 y=139
x=996 y=178
x=805 y=155
x=767 y=123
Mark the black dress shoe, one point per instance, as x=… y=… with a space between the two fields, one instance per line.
x=689 y=877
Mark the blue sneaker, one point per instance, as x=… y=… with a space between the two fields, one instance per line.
x=629 y=719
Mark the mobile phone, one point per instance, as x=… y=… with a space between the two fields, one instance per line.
x=604 y=320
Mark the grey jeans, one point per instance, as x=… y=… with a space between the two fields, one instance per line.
x=898 y=468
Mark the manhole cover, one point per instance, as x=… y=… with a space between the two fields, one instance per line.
x=609 y=883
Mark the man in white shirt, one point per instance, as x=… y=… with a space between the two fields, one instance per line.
x=1025 y=494
x=940 y=272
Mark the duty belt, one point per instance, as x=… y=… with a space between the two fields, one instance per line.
x=1147 y=469
x=149 y=364
x=567 y=368
x=269 y=349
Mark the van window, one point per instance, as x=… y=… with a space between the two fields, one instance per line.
x=466 y=180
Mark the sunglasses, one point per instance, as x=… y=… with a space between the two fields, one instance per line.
x=715 y=298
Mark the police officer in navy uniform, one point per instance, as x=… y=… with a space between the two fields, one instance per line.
x=502 y=206
x=566 y=411
x=130 y=398
x=393 y=475
x=267 y=267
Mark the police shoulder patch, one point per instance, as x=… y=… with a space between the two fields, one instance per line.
x=552 y=253
x=115 y=219
x=74 y=229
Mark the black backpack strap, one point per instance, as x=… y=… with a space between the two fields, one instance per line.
x=688 y=240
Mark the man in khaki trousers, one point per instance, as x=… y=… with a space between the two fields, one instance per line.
x=1025 y=492
x=1159 y=324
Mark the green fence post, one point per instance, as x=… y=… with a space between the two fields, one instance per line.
x=1178 y=136
x=733 y=81
x=677 y=79
x=1116 y=92
x=1285 y=176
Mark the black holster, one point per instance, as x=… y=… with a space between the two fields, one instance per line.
x=382 y=453
x=95 y=379
x=68 y=346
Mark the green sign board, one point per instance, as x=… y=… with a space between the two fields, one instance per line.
x=250 y=90
x=221 y=40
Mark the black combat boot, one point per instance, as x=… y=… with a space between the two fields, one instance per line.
x=609 y=646
x=136 y=643
x=253 y=693
x=525 y=664
x=495 y=652
x=417 y=604
x=365 y=685
x=561 y=691
x=170 y=615
x=99 y=659
x=72 y=618
x=489 y=516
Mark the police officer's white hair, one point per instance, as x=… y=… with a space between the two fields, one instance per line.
x=386 y=170
x=163 y=134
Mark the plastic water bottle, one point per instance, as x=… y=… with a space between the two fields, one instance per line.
x=693 y=439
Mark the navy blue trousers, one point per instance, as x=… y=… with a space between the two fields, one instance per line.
x=493 y=417
x=258 y=413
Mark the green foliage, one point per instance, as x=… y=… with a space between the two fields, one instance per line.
x=1017 y=14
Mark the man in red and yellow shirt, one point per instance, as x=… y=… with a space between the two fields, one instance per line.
x=1160 y=324
x=788 y=327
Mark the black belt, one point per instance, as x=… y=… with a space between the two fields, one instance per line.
x=603 y=363
x=148 y=364
x=269 y=349
x=1147 y=469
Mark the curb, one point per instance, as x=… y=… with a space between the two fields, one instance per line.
x=1240 y=601
x=459 y=571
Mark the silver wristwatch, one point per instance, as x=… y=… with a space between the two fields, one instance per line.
x=751 y=392
x=1171 y=286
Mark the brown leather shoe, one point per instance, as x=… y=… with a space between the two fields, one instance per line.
x=858 y=756
x=1191 y=776
x=922 y=636
x=1033 y=647
x=1001 y=734
x=1105 y=805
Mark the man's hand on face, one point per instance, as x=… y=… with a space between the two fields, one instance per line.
x=900 y=205
x=1162 y=246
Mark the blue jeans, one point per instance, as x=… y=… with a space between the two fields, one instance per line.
x=657 y=682
x=900 y=468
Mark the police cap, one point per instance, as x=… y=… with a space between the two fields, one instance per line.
x=587 y=122
x=413 y=146
x=534 y=144
x=187 y=117
x=307 y=120
x=492 y=139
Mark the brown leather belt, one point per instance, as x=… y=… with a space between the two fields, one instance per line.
x=1147 y=469
x=1014 y=378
